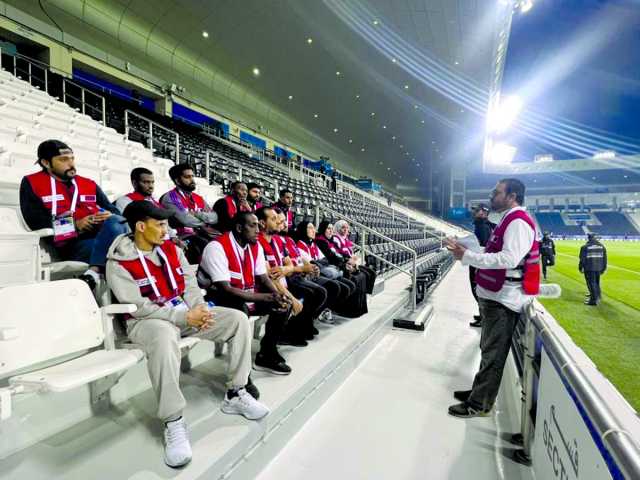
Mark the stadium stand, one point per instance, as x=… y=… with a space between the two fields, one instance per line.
x=613 y=224
x=553 y=223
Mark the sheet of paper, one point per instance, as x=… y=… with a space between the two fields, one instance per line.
x=471 y=243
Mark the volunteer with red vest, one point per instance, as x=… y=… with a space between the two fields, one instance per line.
x=153 y=274
x=346 y=248
x=235 y=275
x=83 y=220
x=284 y=205
x=192 y=218
x=254 y=193
x=228 y=206
x=143 y=185
x=508 y=277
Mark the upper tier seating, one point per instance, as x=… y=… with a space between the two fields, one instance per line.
x=553 y=223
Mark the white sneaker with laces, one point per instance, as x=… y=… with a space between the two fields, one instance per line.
x=177 y=449
x=244 y=404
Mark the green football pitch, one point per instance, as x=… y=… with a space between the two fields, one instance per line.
x=609 y=333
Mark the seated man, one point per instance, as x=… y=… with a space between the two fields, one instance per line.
x=84 y=222
x=143 y=185
x=254 y=195
x=227 y=206
x=235 y=274
x=284 y=205
x=192 y=217
x=153 y=274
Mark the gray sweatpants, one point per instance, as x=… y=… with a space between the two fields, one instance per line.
x=159 y=340
x=498 y=325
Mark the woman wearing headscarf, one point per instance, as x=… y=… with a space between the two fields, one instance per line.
x=357 y=302
x=345 y=247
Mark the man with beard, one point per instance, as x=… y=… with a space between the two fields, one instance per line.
x=193 y=218
x=228 y=206
x=284 y=204
x=254 y=195
x=83 y=220
x=143 y=185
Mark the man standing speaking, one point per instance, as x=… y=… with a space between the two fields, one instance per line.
x=507 y=277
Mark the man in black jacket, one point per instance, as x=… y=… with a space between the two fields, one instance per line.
x=482 y=228
x=547 y=253
x=593 y=263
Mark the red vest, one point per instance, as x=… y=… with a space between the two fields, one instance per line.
x=272 y=251
x=345 y=246
x=137 y=197
x=232 y=208
x=292 y=250
x=242 y=275
x=256 y=206
x=86 y=204
x=312 y=249
x=159 y=274
x=493 y=279
x=288 y=213
x=330 y=244
x=190 y=202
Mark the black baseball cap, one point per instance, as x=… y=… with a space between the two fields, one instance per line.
x=52 y=148
x=481 y=206
x=140 y=210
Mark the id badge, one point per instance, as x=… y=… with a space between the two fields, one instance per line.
x=177 y=303
x=64 y=229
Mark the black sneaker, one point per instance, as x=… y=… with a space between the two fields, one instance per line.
x=314 y=331
x=263 y=363
x=252 y=389
x=477 y=323
x=462 y=395
x=464 y=410
x=293 y=341
x=477 y=318
x=89 y=280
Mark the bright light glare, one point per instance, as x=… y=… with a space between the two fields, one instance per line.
x=525 y=6
x=502 y=154
x=604 y=155
x=502 y=116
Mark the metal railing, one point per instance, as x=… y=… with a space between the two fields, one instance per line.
x=148 y=131
x=412 y=273
x=73 y=94
x=608 y=424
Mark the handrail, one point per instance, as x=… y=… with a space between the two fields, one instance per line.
x=363 y=246
x=608 y=424
x=152 y=124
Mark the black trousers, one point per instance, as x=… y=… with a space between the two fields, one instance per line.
x=498 y=325
x=593 y=284
x=370 y=277
x=337 y=292
x=314 y=300
x=356 y=303
x=273 y=329
x=472 y=281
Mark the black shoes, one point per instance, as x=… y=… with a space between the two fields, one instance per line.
x=462 y=395
x=477 y=323
x=271 y=364
x=477 y=318
x=464 y=410
x=293 y=341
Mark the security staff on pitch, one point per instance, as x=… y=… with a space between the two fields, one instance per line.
x=547 y=253
x=593 y=263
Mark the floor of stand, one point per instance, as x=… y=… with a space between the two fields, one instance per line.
x=126 y=441
x=389 y=419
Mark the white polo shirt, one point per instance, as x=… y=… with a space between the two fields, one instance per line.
x=215 y=262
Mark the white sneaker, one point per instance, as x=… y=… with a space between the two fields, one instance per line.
x=177 y=449
x=327 y=317
x=244 y=404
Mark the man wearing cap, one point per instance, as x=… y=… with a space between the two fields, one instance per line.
x=254 y=193
x=482 y=229
x=153 y=274
x=228 y=206
x=83 y=220
x=593 y=263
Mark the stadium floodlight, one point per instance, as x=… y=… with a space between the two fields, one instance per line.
x=606 y=154
x=502 y=154
x=525 y=5
x=502 y=115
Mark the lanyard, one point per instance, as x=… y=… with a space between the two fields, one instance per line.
x=190 y=201
x=174 y=284
x=276 y=250
x=236 y=251
x=54 y=197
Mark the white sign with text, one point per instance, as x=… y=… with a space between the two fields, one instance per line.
x=563 y=447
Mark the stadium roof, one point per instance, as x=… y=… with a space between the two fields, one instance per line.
x=373 y=84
